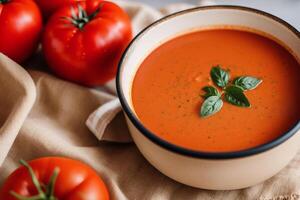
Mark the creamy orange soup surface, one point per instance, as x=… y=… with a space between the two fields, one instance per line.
x=166 y=91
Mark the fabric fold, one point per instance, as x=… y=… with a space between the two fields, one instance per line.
x=98 y=121
x=17 y=98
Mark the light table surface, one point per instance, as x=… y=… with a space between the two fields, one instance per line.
x=288 y=10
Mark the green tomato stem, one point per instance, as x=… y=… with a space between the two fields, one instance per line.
x=33 y=176
x=20 y=197
x=51 y=185
x=4 y=1
x=48 y=195
x=82 y=18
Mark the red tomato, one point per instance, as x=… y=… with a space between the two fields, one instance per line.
x=64 y=178
x=49 y=6
x=84 y=42
x=20 y=28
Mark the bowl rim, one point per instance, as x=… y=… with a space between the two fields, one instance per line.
x=190 y=152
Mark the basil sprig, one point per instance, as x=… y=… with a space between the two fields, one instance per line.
x=247 y=82
x=233 y=92
x=211 y=105
x=210 y=91
x=235 y=96
x=219 y=76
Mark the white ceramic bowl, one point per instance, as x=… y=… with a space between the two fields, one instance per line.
x=216 y=171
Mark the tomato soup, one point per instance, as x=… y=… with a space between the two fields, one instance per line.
x=166 y=91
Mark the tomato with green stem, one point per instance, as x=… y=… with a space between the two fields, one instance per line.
x=20 y=28
x=54 y=178
x=84 y=42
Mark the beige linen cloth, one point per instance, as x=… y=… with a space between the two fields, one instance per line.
x=41 y=115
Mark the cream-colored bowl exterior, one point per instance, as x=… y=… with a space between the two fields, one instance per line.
x=215 y=174
x=226 y=174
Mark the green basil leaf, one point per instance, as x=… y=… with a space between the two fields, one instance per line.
x=210 y=91
x=235 y=96
x=211 y=105
x=247 y=82
x=219 y=76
